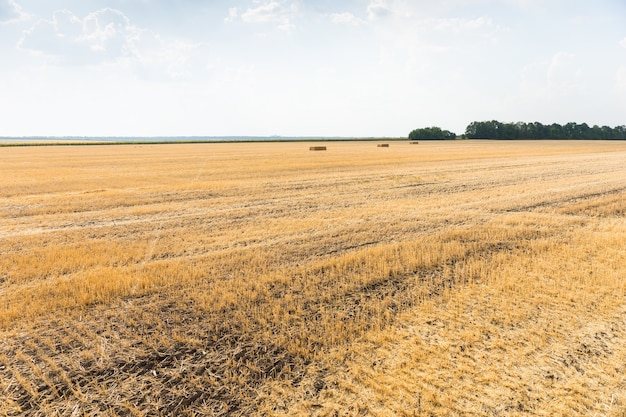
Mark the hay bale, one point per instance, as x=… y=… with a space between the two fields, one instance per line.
x=413 y=142
x=383 y=145
x=317 y=148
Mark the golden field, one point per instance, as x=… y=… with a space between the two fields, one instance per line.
x=447 y=279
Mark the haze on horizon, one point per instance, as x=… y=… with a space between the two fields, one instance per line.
x=304 y=67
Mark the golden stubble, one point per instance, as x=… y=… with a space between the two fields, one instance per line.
x=446 y=278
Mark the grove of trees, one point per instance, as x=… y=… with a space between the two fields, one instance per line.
x=497 y=130
x=431 y=133
x=534 y=130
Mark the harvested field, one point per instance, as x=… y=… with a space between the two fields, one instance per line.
x=452 y=278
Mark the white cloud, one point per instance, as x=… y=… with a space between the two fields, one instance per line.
x=106 y=36
x=345 y=18
x=620 y=79
x=478 y=23
x=533 y=80
x=233 y=13
x=100 y=36
x=107 y=31
x=562 y=76
x=458 y=24
x=272 y=12
x=378 y=9
x=563 y=73
x=623 y=42
x=11 y=12
x=153 y=58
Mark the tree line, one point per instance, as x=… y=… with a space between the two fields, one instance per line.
x=534 y=130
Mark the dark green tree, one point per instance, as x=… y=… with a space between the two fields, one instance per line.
x=431 y=133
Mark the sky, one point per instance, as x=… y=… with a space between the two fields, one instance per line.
x=358 y=68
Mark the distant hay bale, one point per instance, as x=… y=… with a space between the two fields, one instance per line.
x=383 y=145
x=317 y=148
x=413 y=142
